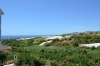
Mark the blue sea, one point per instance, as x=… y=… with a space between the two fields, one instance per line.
x=17 y=37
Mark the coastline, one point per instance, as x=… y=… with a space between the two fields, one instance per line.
x=23 y=36
x=16 y=37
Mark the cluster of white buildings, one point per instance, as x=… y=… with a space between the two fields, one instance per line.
x=50 y=38
x=53 y=37
x=23 y=38
x=56 y=37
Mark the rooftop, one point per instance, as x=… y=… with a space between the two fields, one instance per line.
x=1 y=12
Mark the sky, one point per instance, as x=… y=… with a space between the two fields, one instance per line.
x=49 y=17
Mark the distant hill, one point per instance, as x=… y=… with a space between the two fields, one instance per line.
x=92 y=31
x=75 y=33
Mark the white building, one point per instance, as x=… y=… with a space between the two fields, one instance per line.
x=54 y=37
x=1 y=13
x=10 y=64
x=23 y=39
x=90 y=45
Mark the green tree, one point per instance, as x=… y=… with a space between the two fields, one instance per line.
x=3 y=57
x=75 y=44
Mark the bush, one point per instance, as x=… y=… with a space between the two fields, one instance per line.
x=47 y=44
x=3 y=57
x=93 y=47
x=75 y=44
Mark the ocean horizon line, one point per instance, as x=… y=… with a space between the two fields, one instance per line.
x=22 y=36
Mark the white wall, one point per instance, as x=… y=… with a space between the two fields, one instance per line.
x=0 y=45
x=0 y=32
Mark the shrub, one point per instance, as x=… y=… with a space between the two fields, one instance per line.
x=47 y=44
x=75 y=44
x=93 y=47
x=3 y=57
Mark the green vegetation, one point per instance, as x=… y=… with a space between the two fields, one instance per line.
x=39 y=48
x=3 y=57
x=63 y=52
x=84 y=39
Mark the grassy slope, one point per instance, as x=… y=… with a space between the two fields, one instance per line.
x=38 y=48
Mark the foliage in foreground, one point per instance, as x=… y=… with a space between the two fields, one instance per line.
x=59 y=53
x=71 y=56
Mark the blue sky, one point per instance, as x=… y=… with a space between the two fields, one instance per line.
x=49 y=17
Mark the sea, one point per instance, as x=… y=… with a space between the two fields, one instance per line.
x=17 y=37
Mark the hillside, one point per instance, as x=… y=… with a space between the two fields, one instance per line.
x=60 y=52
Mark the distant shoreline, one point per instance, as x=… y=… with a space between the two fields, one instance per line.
x=17 y=37
x=26 y=36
